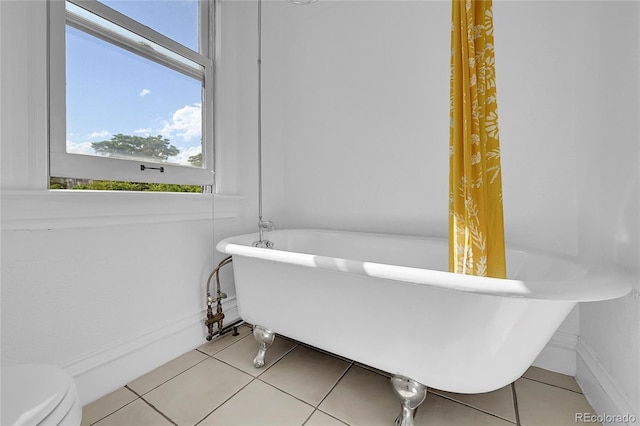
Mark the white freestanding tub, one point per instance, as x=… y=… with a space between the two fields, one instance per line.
x=388 y=302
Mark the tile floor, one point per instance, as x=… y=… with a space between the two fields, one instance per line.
x=217 y=384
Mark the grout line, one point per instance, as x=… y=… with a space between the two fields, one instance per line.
x=551 y=384
x=310 y=415
x=217 y=338
x=340 y=357
x=265 y=368
x=208 y=357
x=335 y=384
x=332 y=416
x=234 y=367
x=316 y=410
x=168 y=380
x=296 y=344
x=515 y=403
x=152 y=406
x=117 y=409
x=203 y=353
x=286 y=393
x=473 y=407
x=224 y=402
x=373 y=369
x=317 y=407
x=253 y=379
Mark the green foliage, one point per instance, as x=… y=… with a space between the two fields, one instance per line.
x=196 y=160
x=170 y=187
x=136 y=146
x=109 y=185
x=127 y=146
x=55 y=185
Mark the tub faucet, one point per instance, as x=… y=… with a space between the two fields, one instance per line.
x=266 y=225
x=262 y=226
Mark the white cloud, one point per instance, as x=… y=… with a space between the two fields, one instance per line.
x=184 y=154
x=144 y=92
x=80 y=148
x=143 y=132
x=101 y=134
x=185 y=123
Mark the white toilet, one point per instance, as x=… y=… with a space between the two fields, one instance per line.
x=35 y=394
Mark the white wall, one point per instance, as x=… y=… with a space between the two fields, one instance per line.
x=360 y=93
x=608 y=127
x=356 y=99
x=355 y=137
x=355 y=131
x=105 y=285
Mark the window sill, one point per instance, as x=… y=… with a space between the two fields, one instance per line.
x=61 y=209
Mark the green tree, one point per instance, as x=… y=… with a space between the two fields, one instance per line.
x=196 y=160
x=120 y=145
x=146 y=147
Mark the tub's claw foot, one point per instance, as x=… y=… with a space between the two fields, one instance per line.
x=264 y=337
x=411 y=394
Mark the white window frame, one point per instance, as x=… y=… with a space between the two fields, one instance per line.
x=63 y=164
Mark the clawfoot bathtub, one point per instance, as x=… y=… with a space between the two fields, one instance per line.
x=388 y=302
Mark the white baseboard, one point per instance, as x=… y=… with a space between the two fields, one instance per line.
x=560 y=354
x=105 y=370
x=601 y=390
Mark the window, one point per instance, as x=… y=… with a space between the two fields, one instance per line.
x=131 y=91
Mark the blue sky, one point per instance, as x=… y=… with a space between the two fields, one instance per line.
x=110 y=90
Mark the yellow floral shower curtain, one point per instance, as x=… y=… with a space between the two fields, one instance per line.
x=476 y=231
